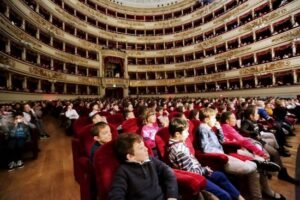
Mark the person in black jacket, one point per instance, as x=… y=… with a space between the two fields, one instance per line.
x=140 y=176
x=250 y=128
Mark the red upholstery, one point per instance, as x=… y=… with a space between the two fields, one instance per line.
x=115 y=120
x=106 y=164
x=80 y=123
x=76 y=155
x=131 y=126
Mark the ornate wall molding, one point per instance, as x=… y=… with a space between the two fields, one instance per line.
x=265 y=68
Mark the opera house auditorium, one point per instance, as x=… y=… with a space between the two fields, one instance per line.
x=150 y=99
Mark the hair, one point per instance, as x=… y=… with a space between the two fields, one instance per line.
x=123 y=145
x=193 y=114
x=17 y=113
x=147 y=113
x=250 y=110
x=97 y=127
x=225 y=116
x=206 y=112
x=177 y=125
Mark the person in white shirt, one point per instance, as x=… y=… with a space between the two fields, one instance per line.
x=71 y=113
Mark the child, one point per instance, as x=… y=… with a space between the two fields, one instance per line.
x=181 y=158
x=141 y=177
x=210 y=136
x=150 y=128
x=102 y=134
x=17 y=136
x=250 y=127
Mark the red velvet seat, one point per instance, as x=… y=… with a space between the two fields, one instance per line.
x=131 y=126
x=80 y=123
x=115 y=120
x=106 y=164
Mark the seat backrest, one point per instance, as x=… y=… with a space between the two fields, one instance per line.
x=81 y=122
x=131 y=126
x=105 y=165
x=116 y=119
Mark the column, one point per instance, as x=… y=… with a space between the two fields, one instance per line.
x=52 y=87
x=23 y=24
x=227 y=64
x=255 y=81
x=240 y=62
x=37 y=8
x=51 y=18
x=255 y=59
x=195 y=88
x=75 y=51
x=273 y=79
x=241 y=83
x=51 y=64
x=294 y=50
x=24 y=54
x=272 y=53
x=64 y=46
x=185 y=90
x=76 y=69
x=205 y=71
x=24 y=84
x=254 y=36
x=125 y=92
x=239 y=41
x=76 y=89
x=37 y=34
x=38 y=59
x=205 y=86
x=216 y=68
x=51 y=41
x=8 y=81
x=64 y=67
x=270 y=5
x=65 y=88
x=295 y=77
x=7 y=47
x=175 y=89
x=87 y=71
x=87 y=54
x=227 y=84
x=88 y=91
x=39 y=86
x=7 y=11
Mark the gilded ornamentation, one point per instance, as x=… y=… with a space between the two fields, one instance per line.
x=267 y=19
x=230 y=14
x=89 y=81
x=71 y=17
x=115 y=81
x=71 y=58
x=7 y=61
x=287 y=36
x=264 y=68
x=232 y=53
x=51 y=75
x=46 y=25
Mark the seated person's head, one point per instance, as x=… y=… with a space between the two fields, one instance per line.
x=101 y=132
x=18 y=117
x=149 y=116
x=251 y=113
x=128 y=114
x=179 y=129
x=228 y=118
x=130 y=147
x=96 y=117
x=208 y=116
x=194 y=114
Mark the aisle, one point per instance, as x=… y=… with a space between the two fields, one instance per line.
x=48 y=177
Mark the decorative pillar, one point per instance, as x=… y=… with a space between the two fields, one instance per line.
x=51 y=41
x=38 y=59
x=272 y=53
x=295 y=76
x=255 y=58
x=294 y=50
x=7 y=47
x=24 y=54
x=76 y=89
x=241 y=83
x=24 y=84
x=52 y=87
x=65 y=88
x=39 y=86
x=7 y=11
x=273 y=79
x=8 y=81
x=51 y=64
x=255 y=81
x=37 y=8
x=227 y=64
x=37 y=34
x=227 y=84
x=23 y=24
